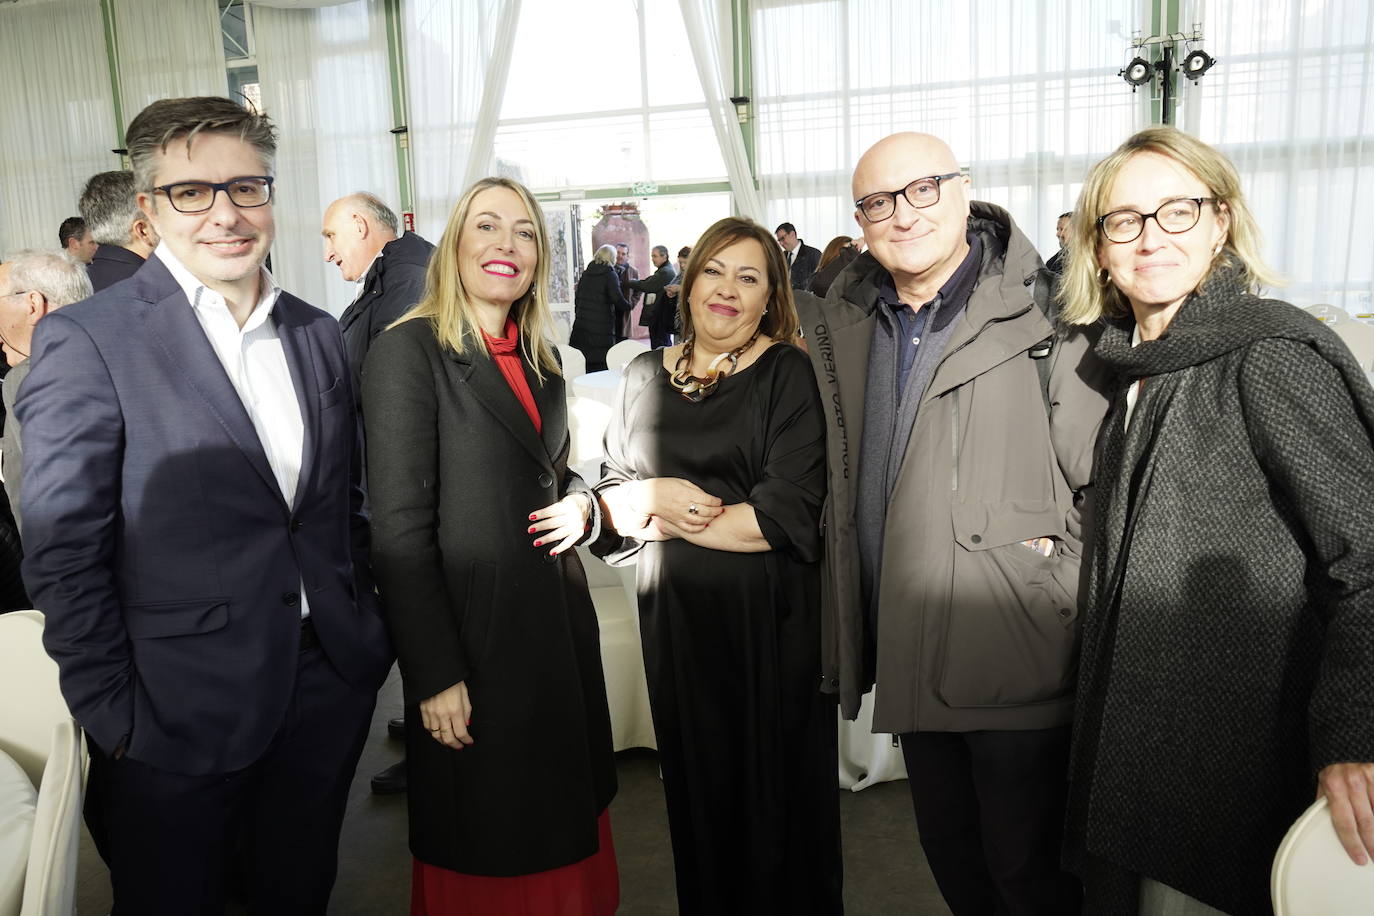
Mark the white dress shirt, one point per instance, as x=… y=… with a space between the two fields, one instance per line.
x=253 y=358
x=1133 y=392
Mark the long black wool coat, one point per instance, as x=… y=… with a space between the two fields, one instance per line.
x=455 y=468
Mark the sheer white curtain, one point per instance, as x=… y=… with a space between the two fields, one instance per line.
x=701 y=22
x=457 y=59
x=326 y=84
x=168 y=49
x=1025 y=92
x=56 y=115
x=1291 y=101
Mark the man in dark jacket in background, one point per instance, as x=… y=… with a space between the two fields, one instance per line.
x=126 y=237
x=360 y=235
x=657 y=315
x=802 y=259
x=627 y=274
x=363 y=236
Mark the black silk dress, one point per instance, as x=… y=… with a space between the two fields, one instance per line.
x=732 y=641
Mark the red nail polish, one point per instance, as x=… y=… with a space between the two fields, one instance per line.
x=531 y=530
x=553 y=553
x=531 y=516
x=538 y=543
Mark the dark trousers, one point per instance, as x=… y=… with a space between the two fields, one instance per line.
x=990 y=814
x=170 y=839
x=660 y=339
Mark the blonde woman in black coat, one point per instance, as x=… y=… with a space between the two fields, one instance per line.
x=474 y=511
x=1227 y=658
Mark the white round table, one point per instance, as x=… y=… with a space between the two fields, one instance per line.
x=599 y=386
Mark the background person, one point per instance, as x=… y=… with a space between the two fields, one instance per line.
x=714 y=478
x=1228 y=643
x=74 y=238
x=657 y=316
x=124 y=236
x=32 y=284
x=508 y=738
x=599 y=302
x=838 y=255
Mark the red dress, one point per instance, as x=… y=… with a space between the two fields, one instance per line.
x=590 y=887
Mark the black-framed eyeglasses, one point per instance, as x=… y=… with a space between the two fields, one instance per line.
x=921 y=193
x=244 y=192
x=17 y=292
x=1173 y=216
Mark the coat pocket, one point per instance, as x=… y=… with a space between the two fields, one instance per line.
x=1011 y=635
x=176 y=618
x=502 y=654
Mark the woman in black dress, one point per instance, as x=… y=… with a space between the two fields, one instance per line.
x=714 y=479
x=598 y=301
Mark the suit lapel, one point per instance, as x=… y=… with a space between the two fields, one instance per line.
x=174 y=325
x=492 y=391
x=300 y=359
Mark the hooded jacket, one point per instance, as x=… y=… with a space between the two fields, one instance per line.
x=973 y=630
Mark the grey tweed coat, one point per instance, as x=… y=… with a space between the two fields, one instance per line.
x=1228 y=627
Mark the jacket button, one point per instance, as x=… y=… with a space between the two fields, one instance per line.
x=546 y=480
x=1065 y=613
x=295 y=525
x=290 y=599
x=977 y=539
x=834 y=682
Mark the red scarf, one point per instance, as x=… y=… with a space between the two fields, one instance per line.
x=504 y=351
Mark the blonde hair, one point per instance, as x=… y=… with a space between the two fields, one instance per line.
x=604 y=255
x=449 y=309
x=1084 y=296
x=780 y=322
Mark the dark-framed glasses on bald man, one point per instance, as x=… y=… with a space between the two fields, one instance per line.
x=921 y=193
x=198 y=196
x=1173 y=216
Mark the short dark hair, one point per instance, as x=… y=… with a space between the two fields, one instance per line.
x=624 y=245
x=73 y=227
x=662 y=250
x=685 y=251
x=155 y=127
x=785 y=227
x=1067 y=214
x=110 y=205
x=780 y=321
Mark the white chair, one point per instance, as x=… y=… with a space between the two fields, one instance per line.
x=1357 y=335
x=622 y=655
x=619 y=356
x=1313 y=875
x=37 y=732
x=587 y=422
x=574 y=364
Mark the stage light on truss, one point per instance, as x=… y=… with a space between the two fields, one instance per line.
x=1197 y=63
x=1138 y=72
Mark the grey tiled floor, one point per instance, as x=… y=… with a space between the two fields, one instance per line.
x=885 y=873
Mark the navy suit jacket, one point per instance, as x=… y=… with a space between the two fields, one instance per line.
x=158 y=543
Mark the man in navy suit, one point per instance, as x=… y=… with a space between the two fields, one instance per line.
x=194 y=535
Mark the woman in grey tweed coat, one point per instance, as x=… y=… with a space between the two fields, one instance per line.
x=1227 y=667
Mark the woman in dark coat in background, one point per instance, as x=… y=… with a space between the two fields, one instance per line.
x=1227 y=663
x=838 y=255
x=597 y=300
x=508 y=734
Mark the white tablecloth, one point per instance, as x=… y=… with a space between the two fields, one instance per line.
x=866 y=758
x=600 y=386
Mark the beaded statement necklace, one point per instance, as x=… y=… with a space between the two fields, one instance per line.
x=696 y=389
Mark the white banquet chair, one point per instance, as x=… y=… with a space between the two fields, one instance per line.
x=1313 y=875
x=619 y=356
x=574 y=364
x=37 y=732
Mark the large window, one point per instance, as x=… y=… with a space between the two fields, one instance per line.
x=1025 y=93
x=604 y=95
